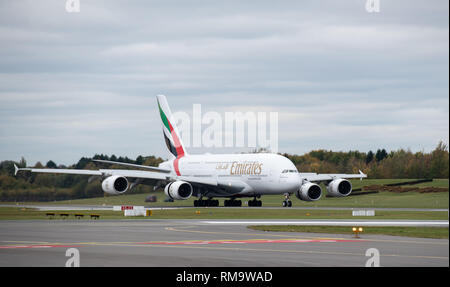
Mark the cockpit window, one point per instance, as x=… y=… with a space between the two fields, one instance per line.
x=289 y=171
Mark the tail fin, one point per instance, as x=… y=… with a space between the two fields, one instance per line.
x=170 y=131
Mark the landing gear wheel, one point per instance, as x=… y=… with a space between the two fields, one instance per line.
x=287 y=203
x=233 y=202
x=204 y=203
x=254 y=202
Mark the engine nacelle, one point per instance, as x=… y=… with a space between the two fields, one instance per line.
x=115 y=184
x=309 y=192
x=179 y=190
x=339 y=188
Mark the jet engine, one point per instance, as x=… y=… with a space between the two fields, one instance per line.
x=309 y=192
x=115 y=184
x=179 y=190
x=339 y=188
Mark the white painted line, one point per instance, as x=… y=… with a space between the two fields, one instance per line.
x=337 y=223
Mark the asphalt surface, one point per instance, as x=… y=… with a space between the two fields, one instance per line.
x=44 y=207
x=201 y=243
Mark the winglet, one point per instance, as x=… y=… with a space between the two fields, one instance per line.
x=362 y=175
x=16 y=169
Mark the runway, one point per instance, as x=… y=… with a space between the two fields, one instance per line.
x=197 y=243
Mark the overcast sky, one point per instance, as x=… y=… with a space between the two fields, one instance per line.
x=340 y=78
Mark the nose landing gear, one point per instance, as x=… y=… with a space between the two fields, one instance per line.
x=287 y=202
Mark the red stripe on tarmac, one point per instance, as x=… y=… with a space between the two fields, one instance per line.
x=248 y=241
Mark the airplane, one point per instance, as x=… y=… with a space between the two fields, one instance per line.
x=209 y=176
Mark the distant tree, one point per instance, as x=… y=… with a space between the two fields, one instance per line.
x=384 y=153
x=101 y=156
x=440 y=161
x=381 y=154
x=152 y=161
x=82 y=163
x=369 y=157
x=51 y=164
x=140 y=160
x=22 y=162
x=38 y=165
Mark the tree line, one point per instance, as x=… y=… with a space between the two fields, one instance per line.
x=379 y=164
x=28 y=186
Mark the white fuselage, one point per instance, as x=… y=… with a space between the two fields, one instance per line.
x=258 y=173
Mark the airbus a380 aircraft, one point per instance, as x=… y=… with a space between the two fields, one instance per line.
x=211 y=176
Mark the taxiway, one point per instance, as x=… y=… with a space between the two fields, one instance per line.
x=201 y=243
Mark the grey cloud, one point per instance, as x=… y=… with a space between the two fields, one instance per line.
x=337 y=75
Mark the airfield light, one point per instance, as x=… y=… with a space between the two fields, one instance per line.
x=356 y=231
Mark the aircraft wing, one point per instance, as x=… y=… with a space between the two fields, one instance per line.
x=198 y=181
x=152 y=168
x=315 y=177
x=149 y=176
x=61 y=171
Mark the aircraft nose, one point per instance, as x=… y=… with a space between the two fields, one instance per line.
x=292 y=182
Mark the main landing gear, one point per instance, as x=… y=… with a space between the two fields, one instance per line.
x=254 y=202
x=208 y=202
x=286 y=201
x=232 y=202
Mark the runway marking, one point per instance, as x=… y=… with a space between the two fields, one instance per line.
x=337 y=223
x=265 y=250
x=294 y=236
x=188 y=242
x=251 y=234
x=34 y=246
x=247 y=241
x=30 y=242
x=201 y=244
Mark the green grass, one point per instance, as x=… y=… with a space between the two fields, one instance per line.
x=422 y=232
x=12 y=213
x=379 y=200
x=434 y=183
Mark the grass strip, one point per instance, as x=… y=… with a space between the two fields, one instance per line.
x=14 y=213
x=420 y=232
